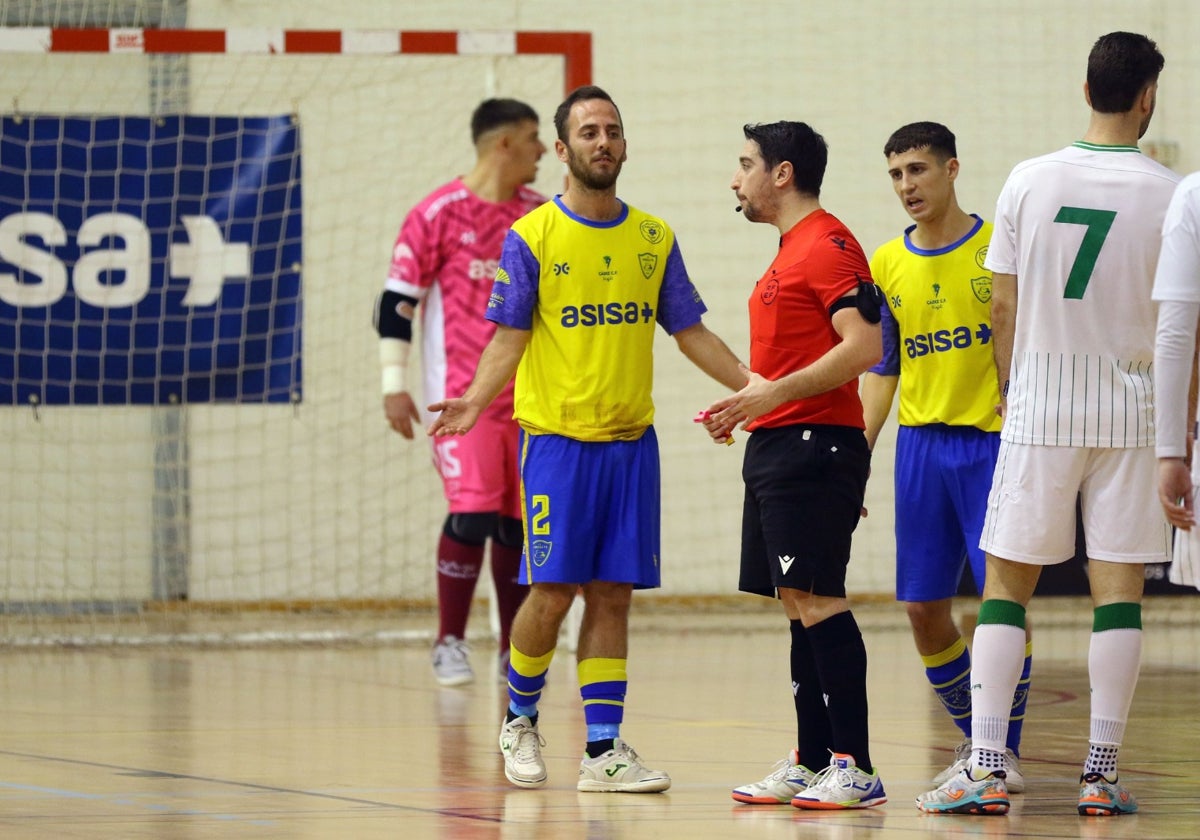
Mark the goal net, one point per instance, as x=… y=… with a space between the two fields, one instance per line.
x=193 y=231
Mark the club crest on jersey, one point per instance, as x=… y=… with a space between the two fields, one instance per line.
x=652 y=231
x=769 y=292
x=981 y=256
x=937 y=301
x=648 y=262
x=982 y=287
x=609 y=272
x=539 y=550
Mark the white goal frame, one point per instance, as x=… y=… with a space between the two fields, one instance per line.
x=97 y=622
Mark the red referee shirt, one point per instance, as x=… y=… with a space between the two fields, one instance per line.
x=819 y=261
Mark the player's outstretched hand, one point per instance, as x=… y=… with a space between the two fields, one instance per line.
x=455 y=417
x=401 y=413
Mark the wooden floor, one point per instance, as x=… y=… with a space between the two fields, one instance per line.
x=359 y=742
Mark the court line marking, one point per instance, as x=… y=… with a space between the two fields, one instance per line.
x=146 y=773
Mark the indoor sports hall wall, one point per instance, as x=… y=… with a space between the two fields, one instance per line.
x=1007 y=77
x=340 y=507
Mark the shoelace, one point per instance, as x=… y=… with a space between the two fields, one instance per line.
x=636 y=769
x=621 y=748
x=782 y=768
x=526 y=751
x=832 y=776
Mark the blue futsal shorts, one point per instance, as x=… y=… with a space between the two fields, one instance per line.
x=592 y=510
x=942 y=474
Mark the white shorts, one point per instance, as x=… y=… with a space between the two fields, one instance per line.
x=1031 y=508
x=1185 y=557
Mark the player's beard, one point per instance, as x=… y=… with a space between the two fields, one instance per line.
x=586 y=177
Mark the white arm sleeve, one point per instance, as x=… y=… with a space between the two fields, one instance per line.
x=1174 y=352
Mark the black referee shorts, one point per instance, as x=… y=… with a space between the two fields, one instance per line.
x=804 y=494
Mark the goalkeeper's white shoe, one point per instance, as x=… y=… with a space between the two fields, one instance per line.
x=451 y=664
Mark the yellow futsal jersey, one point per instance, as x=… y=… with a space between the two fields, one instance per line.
x=590 y=293
x=938 y=330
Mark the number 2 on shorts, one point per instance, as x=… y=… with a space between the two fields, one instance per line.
x=540 y=513
x=1098 y=223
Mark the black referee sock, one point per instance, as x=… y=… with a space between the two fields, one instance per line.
x=841 y=657
x=814 y=737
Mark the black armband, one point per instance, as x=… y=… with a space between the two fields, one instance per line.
x=868 y=300
x=393 y=318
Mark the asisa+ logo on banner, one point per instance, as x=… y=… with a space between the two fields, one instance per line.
x=149 y=260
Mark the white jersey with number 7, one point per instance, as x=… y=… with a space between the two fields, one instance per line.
x=1081 y=228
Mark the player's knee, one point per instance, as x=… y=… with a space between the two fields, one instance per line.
x=931 y=618
x=470 y=528
x=509 y=532
x=601 y=595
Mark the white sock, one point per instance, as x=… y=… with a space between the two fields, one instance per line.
x=1114 y=659
x=997 y=656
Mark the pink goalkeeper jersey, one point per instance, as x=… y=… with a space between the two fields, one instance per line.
x=445 y=256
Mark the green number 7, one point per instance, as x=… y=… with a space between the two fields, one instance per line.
x=1098 y=223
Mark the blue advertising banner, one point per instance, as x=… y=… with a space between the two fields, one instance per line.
x=149 y=260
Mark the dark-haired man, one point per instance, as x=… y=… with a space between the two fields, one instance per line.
x=444 y=259
x=814 y=329
x=1073 y=256
x=937 y=351
x=582 y=283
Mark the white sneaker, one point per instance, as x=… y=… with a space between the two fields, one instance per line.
x=842 y=784
x=620 y=770
x=961 y=794
x=962 y=755
x=1014 y=779
x=521 y=746
x=1098 y=797
x=787 y=779
x=450 y=663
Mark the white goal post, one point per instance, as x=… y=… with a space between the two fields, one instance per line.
x=195 y=495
